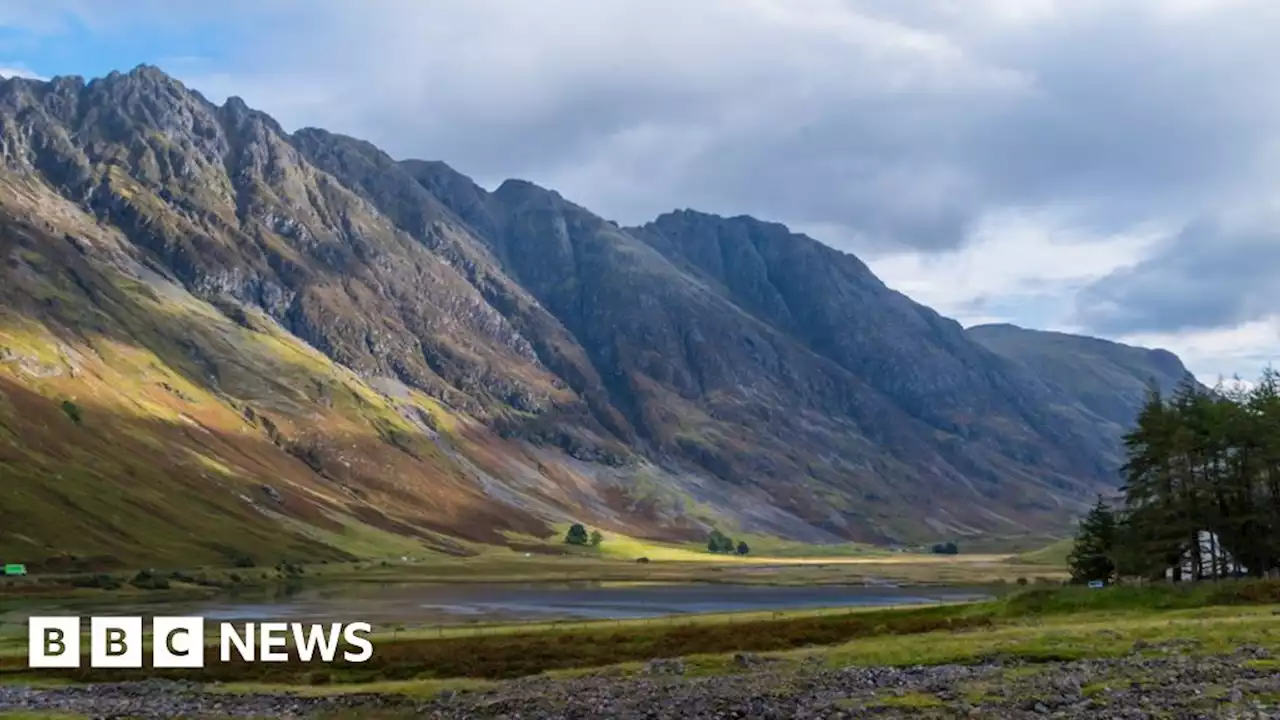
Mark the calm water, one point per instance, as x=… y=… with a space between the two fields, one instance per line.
x=416 y=604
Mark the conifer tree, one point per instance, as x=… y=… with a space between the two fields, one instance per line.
x=1092 y=556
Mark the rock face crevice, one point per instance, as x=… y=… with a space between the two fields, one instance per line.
x=746 y=366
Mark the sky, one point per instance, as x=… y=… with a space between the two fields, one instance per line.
x=1107 y=167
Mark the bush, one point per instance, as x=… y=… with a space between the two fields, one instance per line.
x=946 y=548
x=101 y=582
x=243 y=561
x=149 y=580
x=577 y=535
x=72 y=410
x=718 y=542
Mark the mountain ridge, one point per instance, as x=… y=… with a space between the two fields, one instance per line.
x=423 y=359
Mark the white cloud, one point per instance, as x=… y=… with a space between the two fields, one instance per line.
x=8 y=71
x=1221 y=353
x=1017 y=264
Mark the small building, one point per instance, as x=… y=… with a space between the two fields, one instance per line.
x=1205 y=560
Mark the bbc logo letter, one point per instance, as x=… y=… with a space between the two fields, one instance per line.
x=115 y=642
x=178 y=642
x=53 y=642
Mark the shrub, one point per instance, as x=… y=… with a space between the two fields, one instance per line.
x=101 y=582
x=718 y=542
x=577 y=535
x=149 y=580
x=72 y=410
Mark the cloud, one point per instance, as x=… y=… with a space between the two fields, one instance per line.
x=1212 y=274
x=8 y=71
x=1221 y=353
x=1017 y=263
x=902 y=123
x=1048 y=162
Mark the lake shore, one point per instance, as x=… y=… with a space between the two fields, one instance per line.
x=1071 y=652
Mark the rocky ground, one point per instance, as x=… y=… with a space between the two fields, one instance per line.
x=1152 y=682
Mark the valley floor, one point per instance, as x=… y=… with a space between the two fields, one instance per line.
x=1124 y=652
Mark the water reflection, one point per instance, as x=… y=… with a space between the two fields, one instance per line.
x=444 y=604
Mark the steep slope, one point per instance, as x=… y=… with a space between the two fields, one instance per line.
x=318 y=351
x=1109 y=380
x=194 y=242
x=788 y=367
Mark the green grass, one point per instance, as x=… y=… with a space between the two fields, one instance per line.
x=1072 y=599
x=1052 y=554
x=513 y=654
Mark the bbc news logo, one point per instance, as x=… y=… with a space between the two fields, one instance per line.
x=179 y=642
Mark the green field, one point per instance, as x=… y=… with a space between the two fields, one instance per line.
x=1054 y=554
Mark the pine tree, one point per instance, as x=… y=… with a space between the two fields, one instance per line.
x=577 y=535
x=1202 y=483
x=1092 y=556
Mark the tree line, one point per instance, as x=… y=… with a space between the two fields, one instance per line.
x=1201 y=493
x=718 y=542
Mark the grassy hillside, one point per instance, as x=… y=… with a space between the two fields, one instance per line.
x=180 y=435
x=1053 y=554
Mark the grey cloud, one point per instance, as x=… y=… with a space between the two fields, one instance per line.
x=903 y=129
x=1208 y=276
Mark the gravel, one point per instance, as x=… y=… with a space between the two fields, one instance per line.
x=1149 y=683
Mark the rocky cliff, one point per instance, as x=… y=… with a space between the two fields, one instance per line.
x=218 y=337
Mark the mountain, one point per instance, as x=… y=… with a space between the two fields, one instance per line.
x=219 y=339
x=1110 y=381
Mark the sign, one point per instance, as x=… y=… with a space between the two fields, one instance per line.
x=179 y=642
x=1095 y=584
x=13 y=569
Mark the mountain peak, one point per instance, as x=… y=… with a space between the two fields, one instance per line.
x=151 y=72
x=515 y=190
x=142 y=74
